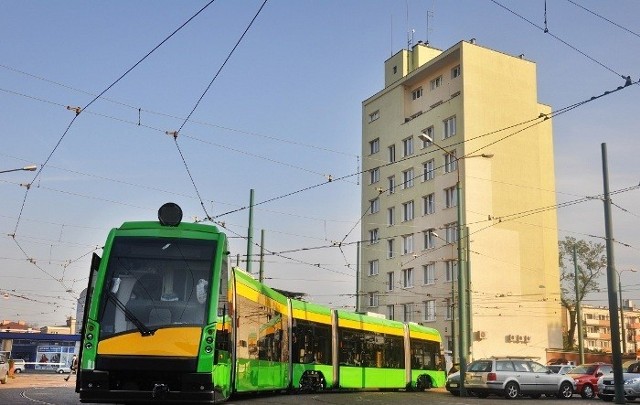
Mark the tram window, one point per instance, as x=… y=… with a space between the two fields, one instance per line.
x=394 y=351
x=424 y=354
x=311 y=342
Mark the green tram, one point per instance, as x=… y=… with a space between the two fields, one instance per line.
x=166 y=322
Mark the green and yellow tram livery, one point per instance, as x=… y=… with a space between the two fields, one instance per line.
x=166 y=322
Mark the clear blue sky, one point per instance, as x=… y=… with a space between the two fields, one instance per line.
x=284 y=112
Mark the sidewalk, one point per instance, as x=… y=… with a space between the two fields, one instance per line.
x=31 y=380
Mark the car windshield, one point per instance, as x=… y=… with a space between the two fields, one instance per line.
x=584 y=369
x=156 y=282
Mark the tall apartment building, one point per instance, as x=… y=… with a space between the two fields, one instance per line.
x=480 y=108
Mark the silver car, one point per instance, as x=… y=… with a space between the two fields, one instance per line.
x=631 y=378
x=514 y=377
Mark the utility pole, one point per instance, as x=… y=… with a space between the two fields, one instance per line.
x=250 y=233
x=578 y=306
x=261 y=274
x=612 y=286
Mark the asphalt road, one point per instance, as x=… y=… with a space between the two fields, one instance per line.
x=49 y=389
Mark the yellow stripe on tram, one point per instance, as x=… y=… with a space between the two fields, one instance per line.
x=253 y=295
x=311 y=316
x=347 y=323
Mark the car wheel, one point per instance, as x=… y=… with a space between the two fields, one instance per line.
x=17 y=371
x=60 y=371
x=587 y=392
x=511 y=390
x=566 y=390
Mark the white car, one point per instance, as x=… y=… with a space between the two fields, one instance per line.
x=18 y=366
x=63 y=370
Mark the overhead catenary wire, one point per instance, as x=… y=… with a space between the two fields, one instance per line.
x=546 y=31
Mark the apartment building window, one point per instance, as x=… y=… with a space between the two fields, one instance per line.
x=391 y=216
x=430 y=310
x=374 y=205
x=428 y=170
x=448 y=313
x=450 y=162
x=430 y=132
x=390 y=281
x=390 y=248
x=416 y=94
x=373 y=236
x=407 y=146
x=407 y=178
x=429 y=239
x=450 y=197
x=374 y=175
x=429 y=271
x=451 y=232
x=374 y=146
x=407 y=244
x=373 y=268
x=374 y=115
x=429 y=204
x=449 y=127
x=437 y=82
x=407 y=211
x=455 y=72
x=407 y=278
x=391 y=188
x=373 y=299
x=451 y=270
x=407 y=309
x=390 y=312
x=392 y=153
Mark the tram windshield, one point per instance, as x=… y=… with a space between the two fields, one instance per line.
x=156 y=282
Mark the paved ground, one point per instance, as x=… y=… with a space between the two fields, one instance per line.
x=52 y=389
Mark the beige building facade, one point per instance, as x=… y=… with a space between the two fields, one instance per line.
x=490 y=134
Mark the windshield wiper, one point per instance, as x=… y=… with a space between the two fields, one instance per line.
x=144 y=330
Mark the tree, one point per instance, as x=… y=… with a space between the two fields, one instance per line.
x=591 y=260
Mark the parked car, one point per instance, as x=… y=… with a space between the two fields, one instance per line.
x=631 y=378
x=560 y=368
x=513 y=377
x=586 y=378
x=4 y=369
x=63 y=370
x=453 y=383
x=18 y=366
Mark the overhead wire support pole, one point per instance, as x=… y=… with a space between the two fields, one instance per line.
x=578 y=306
x=612 y=287
x=250 y=233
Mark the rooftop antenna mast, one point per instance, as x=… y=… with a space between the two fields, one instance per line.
x=429 y=16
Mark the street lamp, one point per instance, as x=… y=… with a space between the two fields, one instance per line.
x=463 y=314
x=624 y=337
x=29 y=168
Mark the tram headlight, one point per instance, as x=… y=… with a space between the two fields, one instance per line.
x=208 y=349
x=88 y=345
x=209 y=339
x=90 y=336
